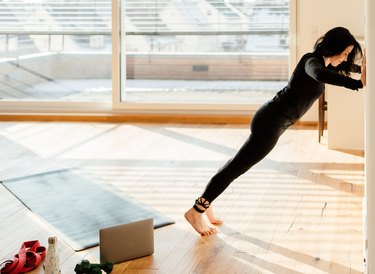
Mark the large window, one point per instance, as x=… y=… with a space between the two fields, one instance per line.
x=203 y=51
x=192 y=52
x=55 y=50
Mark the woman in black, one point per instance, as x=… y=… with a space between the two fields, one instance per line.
x=330 y=63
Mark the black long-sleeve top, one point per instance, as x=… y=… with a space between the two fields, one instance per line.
x=306 y=85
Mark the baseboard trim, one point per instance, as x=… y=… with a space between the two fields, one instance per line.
x=140 y=118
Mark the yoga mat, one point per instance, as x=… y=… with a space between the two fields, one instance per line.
x=76 y=207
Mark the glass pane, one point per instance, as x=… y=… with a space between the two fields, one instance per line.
x=204 y=51
x=55 y=50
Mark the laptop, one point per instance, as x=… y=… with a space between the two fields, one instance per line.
x=127 y=241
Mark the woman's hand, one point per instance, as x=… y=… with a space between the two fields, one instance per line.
x=363 y=73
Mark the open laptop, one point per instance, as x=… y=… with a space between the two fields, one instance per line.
x=127 y=241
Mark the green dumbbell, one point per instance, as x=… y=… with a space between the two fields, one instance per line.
x=85 y=267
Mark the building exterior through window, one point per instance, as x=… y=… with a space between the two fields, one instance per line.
x=207 y=51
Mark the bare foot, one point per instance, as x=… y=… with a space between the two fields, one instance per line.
x=211 y=216
x=197 y=222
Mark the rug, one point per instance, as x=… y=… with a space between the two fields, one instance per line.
x=77 y=207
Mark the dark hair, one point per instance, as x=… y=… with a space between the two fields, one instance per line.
x=334 y=42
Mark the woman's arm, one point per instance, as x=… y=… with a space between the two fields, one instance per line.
x=316 y=70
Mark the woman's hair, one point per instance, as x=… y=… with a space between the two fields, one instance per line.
x=334 y=42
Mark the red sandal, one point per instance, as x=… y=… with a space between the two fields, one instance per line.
x=28 y=258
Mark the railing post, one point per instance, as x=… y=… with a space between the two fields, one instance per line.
x=7 y=45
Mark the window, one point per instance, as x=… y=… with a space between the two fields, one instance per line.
x=173 y=52
x=55 y=50
x=203 y=51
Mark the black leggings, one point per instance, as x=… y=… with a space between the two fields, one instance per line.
x=267 y=126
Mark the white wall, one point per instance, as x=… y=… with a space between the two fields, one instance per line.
x=314 y=18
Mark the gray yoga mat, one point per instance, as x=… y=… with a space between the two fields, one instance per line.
x=76 y=207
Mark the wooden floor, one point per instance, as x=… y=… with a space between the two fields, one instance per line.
x=298 y=211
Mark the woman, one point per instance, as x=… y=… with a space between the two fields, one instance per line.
x=331 y=62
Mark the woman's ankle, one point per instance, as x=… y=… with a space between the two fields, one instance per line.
x=201 y=205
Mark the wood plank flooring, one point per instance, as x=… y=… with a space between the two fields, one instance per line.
x=298 y=211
